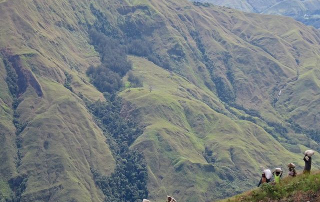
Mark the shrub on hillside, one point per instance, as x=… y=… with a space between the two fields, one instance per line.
x=129 y=180
x=104 y=79
x=135 y=81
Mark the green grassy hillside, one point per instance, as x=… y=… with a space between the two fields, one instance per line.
x=49 y=141
x=209 y=106
x=240 y=60
x=300 y=188
x=254 y=65
x=188 y=144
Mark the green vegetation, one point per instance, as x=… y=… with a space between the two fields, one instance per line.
x=302 y=187
x=68 y=81
x=193 y=138
x=53 y=153
x=5 y=191
x=107 y=77
x=129 y=180
x=196 y=118
x=18 y=184
x=135 y=81
x=12 y=82
x=129 y=33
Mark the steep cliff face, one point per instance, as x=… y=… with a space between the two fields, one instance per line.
x=224 y=93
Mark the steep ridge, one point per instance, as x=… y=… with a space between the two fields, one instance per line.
x=213 y=117
x=299 y=188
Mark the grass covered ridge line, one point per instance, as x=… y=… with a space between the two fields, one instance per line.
x=303 y=187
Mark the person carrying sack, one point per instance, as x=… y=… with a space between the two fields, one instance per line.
x=266 y=177
x=263 y=179
x=277 y=175
x=307 y=161
x=292 y=170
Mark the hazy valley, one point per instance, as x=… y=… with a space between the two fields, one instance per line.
x=306 y=11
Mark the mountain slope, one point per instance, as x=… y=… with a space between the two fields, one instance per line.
x=240 y=54
x=54 y=142
x=263 y=63
x=213 y=115
x=300 y=188
x=188 y=144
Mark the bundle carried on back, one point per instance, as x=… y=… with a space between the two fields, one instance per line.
x=309 y=152
x=268 y=173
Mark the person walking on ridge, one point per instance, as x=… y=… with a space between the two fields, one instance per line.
x=263 y=179
x=277 y=175
x=307 y=164
x=292 y=170
x=266 y=177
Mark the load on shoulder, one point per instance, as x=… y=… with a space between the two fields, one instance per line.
x=277 y=173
